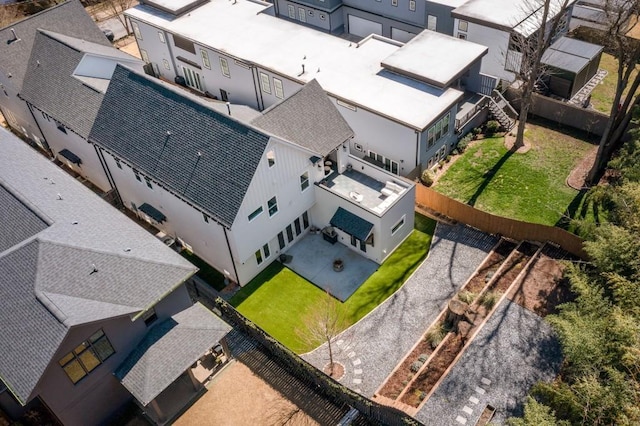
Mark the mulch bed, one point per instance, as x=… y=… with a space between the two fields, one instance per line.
x=403 y=375
x=489 y=266
x=578 y=175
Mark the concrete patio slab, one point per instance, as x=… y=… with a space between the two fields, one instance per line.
x=312 y=258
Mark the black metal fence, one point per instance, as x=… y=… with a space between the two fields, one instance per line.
x=340 y=394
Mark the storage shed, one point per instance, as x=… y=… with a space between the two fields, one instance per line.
x=571 y=64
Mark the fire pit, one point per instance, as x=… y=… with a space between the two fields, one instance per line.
x=338 y=265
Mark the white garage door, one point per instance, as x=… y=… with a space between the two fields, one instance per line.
x=363 y=27
x=401 y=35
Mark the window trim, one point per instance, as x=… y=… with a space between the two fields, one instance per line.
x=161 y=37
x=224 y=67
x=272 y=208
x=412 y=5
x=144 y=56
x=292 y=11
x=304 y=181
x=136 y=30
x=265 y=83
x=278 y=88
x=271 y=158
x=435 y=22
x=205 y=58
x=254 y=214
x=398 y=225
x=89 y=346
x=464 y=28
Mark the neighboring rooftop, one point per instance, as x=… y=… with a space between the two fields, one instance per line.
x=167 y=351
x=78 y=269
x=211 y=164
x=175 y=7
x=50 y=84
x=570 y=54
x=423 y=58
x=522 y=16
x=346 y=70
x=16 y=40
x=307 y=118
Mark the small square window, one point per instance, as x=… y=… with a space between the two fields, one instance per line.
x=462 y=36
x=119 y=164
x=271 y=158
x=412 y=5
x=272 y=204
x=463 y=26
x=148 y=181
x=304 y=181
x=135 y=172
x=205 y=218
x=149 y=317
x=394 y=2
x=60 y=127
x=224 y=67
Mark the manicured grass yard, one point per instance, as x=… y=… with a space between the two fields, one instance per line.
x=278 y=299
x=529 y=187
x=602 y=95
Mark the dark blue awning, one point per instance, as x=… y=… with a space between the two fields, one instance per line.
x=70 y=156
x=351 y=224
x=152 y=212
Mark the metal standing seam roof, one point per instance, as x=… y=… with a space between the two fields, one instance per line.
x=206 y=157
x=168 y=350
x=351 y=224
x=307 y=118
x=570 y=54
x=152 y=212
x=68 y=18
x=72 y=263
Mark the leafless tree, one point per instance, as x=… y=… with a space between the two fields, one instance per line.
x=284 y=413
x=524 y=55
x=322 y=323
x=116 y=7
x=620 y=16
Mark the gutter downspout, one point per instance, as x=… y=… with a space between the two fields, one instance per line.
x=233 y=263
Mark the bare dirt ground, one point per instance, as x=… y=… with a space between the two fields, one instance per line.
x=129 y=45
x=237 y=397
x=578 y=175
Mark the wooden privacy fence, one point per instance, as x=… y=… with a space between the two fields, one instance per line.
x=493 y=224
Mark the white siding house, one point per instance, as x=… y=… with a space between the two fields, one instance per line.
x=253 y=58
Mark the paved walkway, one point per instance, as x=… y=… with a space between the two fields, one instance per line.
x=372 y=348
x=515 y=349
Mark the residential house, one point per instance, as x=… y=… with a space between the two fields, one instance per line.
x=236 y=193
x=64 y=83
x=85 y=293
x=501 y=30
x=403 y=112
x=16 y=42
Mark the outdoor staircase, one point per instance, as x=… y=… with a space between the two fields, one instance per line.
x=582 y=96
x=502 y=111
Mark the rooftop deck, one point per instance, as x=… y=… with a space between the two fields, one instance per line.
x=364 y=190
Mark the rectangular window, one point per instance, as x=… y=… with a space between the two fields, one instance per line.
x=136 y=30
x=463 y=26
x=86 y=356
x=161 y=36
x=301 y=15
x=445 y=124
x=278 y=88
x=354 y=241
x=193 y=79
x=135 y=172
x=432 y=22
x=255 y=213
x=363 y=246
x=205 y=218
x=259 y=258
x=292 y=11
x=462 y=36
x=304 y=181
x=148 y=182
x=412 y=5
x=205 y=58
x=289 y=233
x=397 y=226
x=149 y=317
x=266 y=250
x=438 y=130
x=144 y=56
x=297 y=225
x=184 y=44
x=61 y=127
x=264 y=82
x=272 y=205
x=281 y=242
x=224 y=67
x=394 y=2
x=271 y=158
x=118 y=164
x=346 y=105
x=305 y=220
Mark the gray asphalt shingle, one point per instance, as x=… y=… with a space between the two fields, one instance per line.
x=68 y=18
x=307 y=118
x=13 y=211
x=168 y=349
x=209 y=158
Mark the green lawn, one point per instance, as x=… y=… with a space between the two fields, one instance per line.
x=603 y=94
x=279 y=299
x=214 y=278
x=529 y=187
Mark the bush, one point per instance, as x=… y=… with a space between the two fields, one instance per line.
x=415 y=366
x=464 y=142
x=476 y=131
x=435 y=335
x=467 y=297
x=492 y=127
x=489 y=299
x=440 y=164
x=427 y=177
x=447 y=158
x=455 y=151
x=423 y=357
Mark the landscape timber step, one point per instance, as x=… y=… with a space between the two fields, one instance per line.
x=395 y=404
x=437 y=216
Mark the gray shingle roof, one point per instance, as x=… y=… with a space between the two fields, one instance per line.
x=68 y=18
x=49 y=85
x=45 y=281
x=168 y=349
x=13 y=211
x=307 y=118
x=209 y=158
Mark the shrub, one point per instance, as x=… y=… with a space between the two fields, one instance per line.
x=476 y=131
x=415 y=366
x=492 y=127
x=467 y=296
x=440 y=164
x=423 y=357
x=422 y=395
x=447 y=158
x=455 y=151
x=435 y=335
x=489 y=299
x=464 y=142
x=427 y=177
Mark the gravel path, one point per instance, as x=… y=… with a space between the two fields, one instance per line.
x=372 y=348
x=514 y=350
